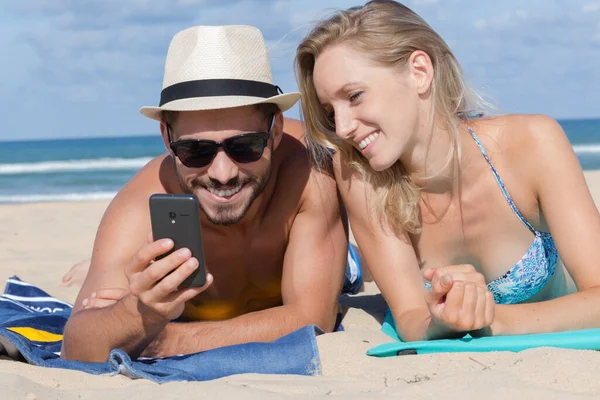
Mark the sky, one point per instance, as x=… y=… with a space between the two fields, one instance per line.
x=73 y=68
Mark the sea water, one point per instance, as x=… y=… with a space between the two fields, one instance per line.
x=97 y=168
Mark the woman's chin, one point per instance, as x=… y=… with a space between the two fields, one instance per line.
x=379 y=164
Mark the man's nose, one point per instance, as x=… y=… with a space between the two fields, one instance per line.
x=222 y=168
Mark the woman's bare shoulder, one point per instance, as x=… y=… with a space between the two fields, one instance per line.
x=517 y=135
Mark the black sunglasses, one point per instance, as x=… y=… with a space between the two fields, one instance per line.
x=245 y=148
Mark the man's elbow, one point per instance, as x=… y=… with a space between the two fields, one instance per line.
x=67 y=352
x=76 y=346
x=71 y=350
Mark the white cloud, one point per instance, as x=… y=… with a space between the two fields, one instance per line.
x=591 y=7
x=105 y=57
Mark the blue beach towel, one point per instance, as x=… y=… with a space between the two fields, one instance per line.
x=587 y=339
x=32 y=322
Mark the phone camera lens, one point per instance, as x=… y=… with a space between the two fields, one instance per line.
x=172 y=214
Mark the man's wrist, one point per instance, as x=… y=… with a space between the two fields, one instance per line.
x=136 y=309
x=164 y=343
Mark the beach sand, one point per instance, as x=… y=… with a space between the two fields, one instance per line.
x=39 y=242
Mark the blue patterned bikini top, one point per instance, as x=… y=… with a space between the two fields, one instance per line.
x=534 y=270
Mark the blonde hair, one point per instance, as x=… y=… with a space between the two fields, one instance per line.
x=388 y=32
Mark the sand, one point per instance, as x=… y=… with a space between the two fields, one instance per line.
x=39 y=242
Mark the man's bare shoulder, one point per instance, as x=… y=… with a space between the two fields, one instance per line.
x=302 y=178
x=320 y=186
x=292 y=153
x=295 y=129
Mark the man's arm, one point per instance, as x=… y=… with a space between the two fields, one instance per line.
x=119 y=235
x=122 y=232
x=312 y=279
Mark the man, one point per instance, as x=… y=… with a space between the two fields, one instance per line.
x=275 y=242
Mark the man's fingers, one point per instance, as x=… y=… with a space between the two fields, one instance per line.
x=171 y=282
x=186 y=294
x=157 y=271
x=147 y=253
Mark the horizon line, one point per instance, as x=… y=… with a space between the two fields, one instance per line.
x=141 y=135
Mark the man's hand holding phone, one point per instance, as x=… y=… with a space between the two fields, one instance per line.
x=156 y=283
x=167 y=272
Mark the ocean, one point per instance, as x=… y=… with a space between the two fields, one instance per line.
x=97 y=168
x=72 y=169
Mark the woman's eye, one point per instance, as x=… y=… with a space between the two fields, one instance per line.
x=355 y=96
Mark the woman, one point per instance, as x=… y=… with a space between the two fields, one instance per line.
x=459 y=217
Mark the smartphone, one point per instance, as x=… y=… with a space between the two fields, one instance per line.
x=177 y=217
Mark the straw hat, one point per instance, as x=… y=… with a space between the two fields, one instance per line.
x=214 y=67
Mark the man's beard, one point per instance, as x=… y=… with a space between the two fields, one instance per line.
x=228 y=214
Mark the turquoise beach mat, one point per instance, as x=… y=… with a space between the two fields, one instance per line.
x=587 y=339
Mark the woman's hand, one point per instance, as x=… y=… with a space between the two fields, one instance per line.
x=459 y=299
x=104 y=298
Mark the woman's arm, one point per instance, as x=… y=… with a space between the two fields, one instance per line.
x=573 y=219
x=457 y=305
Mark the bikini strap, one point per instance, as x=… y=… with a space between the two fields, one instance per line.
x=500 y=183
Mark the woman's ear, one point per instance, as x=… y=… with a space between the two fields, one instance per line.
x=421 y=70
x=277 y=130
